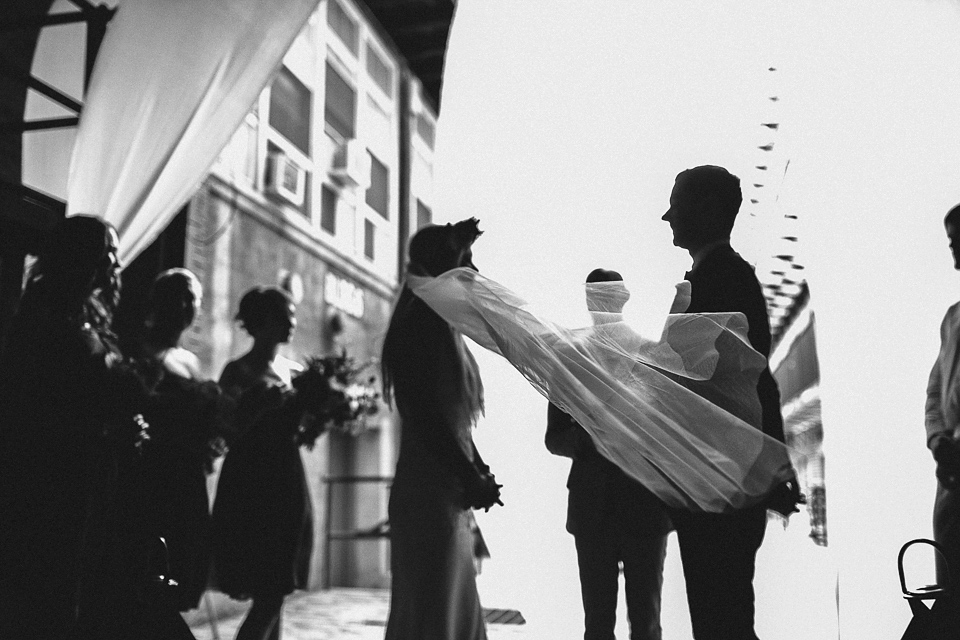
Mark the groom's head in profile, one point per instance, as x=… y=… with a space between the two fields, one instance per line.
x=703 y=206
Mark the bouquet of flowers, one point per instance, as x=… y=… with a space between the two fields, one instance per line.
x=332 y=394
x=192 y=415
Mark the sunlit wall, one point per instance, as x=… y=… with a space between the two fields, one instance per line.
x=563 y=126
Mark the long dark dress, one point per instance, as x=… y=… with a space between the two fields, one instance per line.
x=64 y=398
x=184 y=422
x=433 y=592
x=262 y=515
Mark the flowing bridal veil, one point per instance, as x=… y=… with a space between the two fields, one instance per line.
x=679 y=414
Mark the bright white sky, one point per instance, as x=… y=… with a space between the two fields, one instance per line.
x=563 y=126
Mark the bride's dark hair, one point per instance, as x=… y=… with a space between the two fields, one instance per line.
x=433 y=250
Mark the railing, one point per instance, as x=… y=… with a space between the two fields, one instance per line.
x=375 y=531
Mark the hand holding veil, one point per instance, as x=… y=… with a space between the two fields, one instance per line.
x=680 y=415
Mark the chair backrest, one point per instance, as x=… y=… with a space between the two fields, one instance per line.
x=929 y=592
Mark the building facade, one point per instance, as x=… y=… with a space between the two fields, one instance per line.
x=318 y=191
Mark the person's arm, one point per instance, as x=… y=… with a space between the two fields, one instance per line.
x=434 y=383
x=940 y=440
x=564 y=436
x=933 y=414
x=480 y=488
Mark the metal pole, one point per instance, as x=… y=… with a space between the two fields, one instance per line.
x=403 y=194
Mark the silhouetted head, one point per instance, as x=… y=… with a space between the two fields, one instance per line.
x=606 y=292
x=703 y=206
x=77 y=270
x=173 y=305
x=267 y=313
x=604 y=275
x=436 y=249
x=952 y=224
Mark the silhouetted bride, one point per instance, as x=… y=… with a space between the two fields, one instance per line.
x=435 y=384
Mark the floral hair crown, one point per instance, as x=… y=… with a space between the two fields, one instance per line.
x=466 y=231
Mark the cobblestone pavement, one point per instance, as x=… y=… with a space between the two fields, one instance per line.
x=350 y=614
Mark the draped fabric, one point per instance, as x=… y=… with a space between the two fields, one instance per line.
x=172 y=82
x=679 y=414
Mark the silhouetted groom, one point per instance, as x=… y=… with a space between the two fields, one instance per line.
x=719 y=550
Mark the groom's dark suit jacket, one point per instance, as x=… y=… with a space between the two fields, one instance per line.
x=724 y=282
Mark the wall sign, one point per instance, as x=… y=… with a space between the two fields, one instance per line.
x=343 y=295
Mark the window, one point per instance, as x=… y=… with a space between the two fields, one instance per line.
x=328 y=210
x=378 y=193
x=424 y=215
x=343 y=26
x=368 y=236
x=340 y=104
x=247 y=134
x=290 y=109
x=286 y=181
x=379 y=71
x=425 y=129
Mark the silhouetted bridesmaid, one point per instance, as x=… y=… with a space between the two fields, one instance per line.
x=262 y=513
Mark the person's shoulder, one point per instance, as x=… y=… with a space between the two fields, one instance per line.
x=182 y=362
x=721 y=261
x=235 y=374
x=735 y=270
x=233 y=367
x=728 y=257
x=87 y=340
x=287 y=364
x=284 y=369
x=952 y=317
x=724 y=273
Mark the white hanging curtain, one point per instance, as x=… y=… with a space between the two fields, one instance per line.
x=172 y=82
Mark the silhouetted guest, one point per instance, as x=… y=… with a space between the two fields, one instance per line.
x=157 y=563
x=943 y=423
x=262 y=515
x=186 y=426
x=612 y=517
x=718 y=550
x=67 y=421
x=435 y=383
